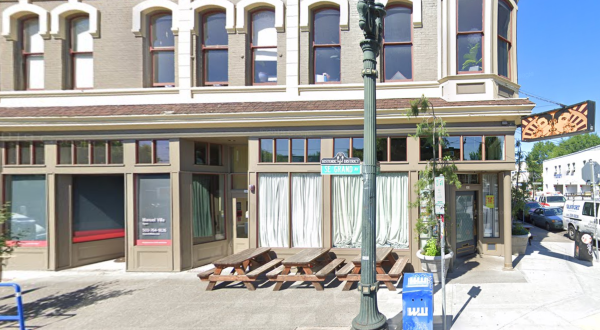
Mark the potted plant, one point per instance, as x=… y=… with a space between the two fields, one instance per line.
x=434 y=133
x=520 y=237
x=471 y=63
x=7 y=242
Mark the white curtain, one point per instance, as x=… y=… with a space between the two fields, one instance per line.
x=392 y=210
x=346 y=206
x=273 y=209
x=307 y=209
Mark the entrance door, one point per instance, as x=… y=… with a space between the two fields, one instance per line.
x=466 y=222
x=240 y=219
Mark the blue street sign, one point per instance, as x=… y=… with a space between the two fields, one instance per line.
x=340 y=170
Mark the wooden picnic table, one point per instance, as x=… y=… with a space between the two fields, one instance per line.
x=351 y=271
x=305 y=261
x=255 y=261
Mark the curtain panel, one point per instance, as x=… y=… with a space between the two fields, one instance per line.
x=273 y=209
x=203 y=216
x=307 y=210
x=491 y=227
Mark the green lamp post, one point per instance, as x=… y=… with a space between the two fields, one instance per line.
x=371 y=22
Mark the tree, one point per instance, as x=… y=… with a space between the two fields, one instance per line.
x=574 y=144
x=541 y=151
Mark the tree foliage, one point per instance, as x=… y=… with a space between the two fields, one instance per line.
x=574 y=144
x=541 y=151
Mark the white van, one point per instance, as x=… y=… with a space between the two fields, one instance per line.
x=579 y=215
x=552 y=200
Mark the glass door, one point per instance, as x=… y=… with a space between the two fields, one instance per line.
x=240 y=219
x=466 y=220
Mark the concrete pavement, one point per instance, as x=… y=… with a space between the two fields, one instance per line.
x=547 y=290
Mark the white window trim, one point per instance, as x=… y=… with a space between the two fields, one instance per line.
x=59 y=16
x=307 y=6
x=201 y=5
x=12 y=14
x=417 y=11
x=149 y=6
x=244 y=6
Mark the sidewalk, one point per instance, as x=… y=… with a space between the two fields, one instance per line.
x=547 y=290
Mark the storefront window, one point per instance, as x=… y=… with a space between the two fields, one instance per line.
x=98 y=207
x=392 y=213
x=381 y=149
x=298 y=150
x=273 y=209
x=27 y=197
x=162 y=151
x=491 y=227
x=494 y=147
x=426 y=150
x=283 y=152
x=302 y=150
x=215 y=155
x=153 y=209
x=398 y=149
x=472 y=146
x=341 y=145
x=266 y=150
x=313 y=151
x=358 y=148
x=208 y=207
x=451 y=147
x=24 y=153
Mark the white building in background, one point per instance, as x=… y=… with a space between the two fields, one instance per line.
x=523 y=177
x=564 y=174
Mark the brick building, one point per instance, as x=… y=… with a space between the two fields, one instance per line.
x=177 y=132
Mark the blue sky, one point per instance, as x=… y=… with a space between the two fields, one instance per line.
x=558 y=50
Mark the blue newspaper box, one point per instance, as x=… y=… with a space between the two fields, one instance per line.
x=417 y=301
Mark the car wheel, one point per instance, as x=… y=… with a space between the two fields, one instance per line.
x=547 y=226
x=571 y=232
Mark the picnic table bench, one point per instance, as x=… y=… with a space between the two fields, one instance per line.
x=257 y=258
x=305 y=261
x=351 y=271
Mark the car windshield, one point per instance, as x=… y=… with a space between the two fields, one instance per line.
x=553 y=212
x=533 y=205
x=556 y=199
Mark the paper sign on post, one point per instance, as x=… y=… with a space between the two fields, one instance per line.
x=489 y=201
x=440 y=195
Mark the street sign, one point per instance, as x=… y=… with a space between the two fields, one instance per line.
x=340 y=170
x=440 y=195
x=340 y=159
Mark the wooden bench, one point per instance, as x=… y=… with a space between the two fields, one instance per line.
x=398 y=268
x=205 y=274
x=241 y=262
x=268 y=266
x=273 y=274
x=334 y=264
x=351 y=272
x=304 y=262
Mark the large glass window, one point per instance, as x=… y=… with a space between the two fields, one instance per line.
x=208 y=207
x=65 y=152
x=32 y=54
x=98 y=207
x=451 y=147
x=472 y=147
x=24 y=153
x=81 y=47
x=266 y=150
x=491 y=227
x=162 y=50
x=494 y=148
x=153 y=209
x=275 y=221
x=426 y=150
x=504 y=38
x=264 y=47
x=282 y=149
x=470 y=36
x=214 y=41
x=397 y=44
x=116 y=152
x=392 y=210
x=27 y=197
x=82 y=152
x=153 y=152
x=326 y=45
x=290 y=150
x=313 y=151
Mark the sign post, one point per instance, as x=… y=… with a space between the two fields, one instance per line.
x=440 y=203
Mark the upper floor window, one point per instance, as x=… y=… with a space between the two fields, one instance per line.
x=162 y=50
x=24 y=153
x=263 y=46
x=81 y=51
x=397 y=44
x=214 y=49
x=153 y=152
x=326 y=45
x=208 y=154
x=32 y=54
x=469 y=37
x=90 y=152
x=504 y=43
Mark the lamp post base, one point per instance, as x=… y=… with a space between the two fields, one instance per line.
x=378 y=325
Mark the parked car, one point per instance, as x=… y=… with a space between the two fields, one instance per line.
x=553 y=201
x=579 y=215
x=529 y=208
x=548 y=217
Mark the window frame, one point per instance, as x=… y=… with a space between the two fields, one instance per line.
x=314 y=46
x=200 y=240
x=18 y=153
x=508 y=42
x=384 y=43
x=153 y=151
x=90 y=153
x=73 y=54
x=208 y=158
x=289 y=142
x=24 y=55
x=205 y=49
x=480 y=32
x=462 y=151
x=156 y=50
x=253 y=48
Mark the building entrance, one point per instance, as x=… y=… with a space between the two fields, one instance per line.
x=240 y=219
x=466 y=222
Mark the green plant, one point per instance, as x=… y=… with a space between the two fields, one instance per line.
x=470 y=58
x=433 y=132
x=518 y=229
x=7 y=241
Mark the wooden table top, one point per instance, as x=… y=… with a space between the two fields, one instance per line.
x=382 y=254
x=305 y=257
x=238 y=258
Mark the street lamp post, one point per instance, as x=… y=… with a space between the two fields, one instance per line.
x=369 y=318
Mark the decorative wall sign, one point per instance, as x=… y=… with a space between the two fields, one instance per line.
x=571 y=120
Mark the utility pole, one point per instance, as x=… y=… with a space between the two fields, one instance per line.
x=371 y=16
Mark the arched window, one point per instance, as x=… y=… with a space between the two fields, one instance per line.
x=326 y=45
x=263 y=46
x=214 y=41
x=469 y=37
x=397 y=44
x=162 y=50
x=81 y=47
x=32 y=54
x=504 y=37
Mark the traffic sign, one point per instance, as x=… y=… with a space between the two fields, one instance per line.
x=340 y=170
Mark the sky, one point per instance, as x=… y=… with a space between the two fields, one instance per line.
x=558 y=54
